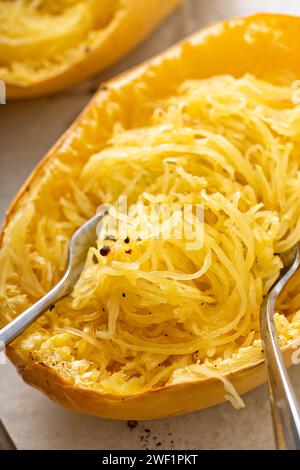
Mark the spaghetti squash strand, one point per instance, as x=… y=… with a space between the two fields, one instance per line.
x=155 y=308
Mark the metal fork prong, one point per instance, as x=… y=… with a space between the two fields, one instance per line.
x=79 y=245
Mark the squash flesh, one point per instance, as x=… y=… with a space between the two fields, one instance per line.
x=113 y=104
x=35 y=38
x=42 y=41
x=127 y=326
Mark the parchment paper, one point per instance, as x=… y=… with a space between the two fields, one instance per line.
x=27 y=130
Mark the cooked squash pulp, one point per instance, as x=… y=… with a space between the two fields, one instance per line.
x=227 y=144
x=47 y=45
x=40 y=37
x=156 y=327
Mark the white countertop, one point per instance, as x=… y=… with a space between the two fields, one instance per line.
x=27 y=130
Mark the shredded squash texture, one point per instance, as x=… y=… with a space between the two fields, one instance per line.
x=154 y=311
x=42 y=37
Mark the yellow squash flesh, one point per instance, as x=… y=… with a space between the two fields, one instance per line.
x=263 y=45
x=48 y=46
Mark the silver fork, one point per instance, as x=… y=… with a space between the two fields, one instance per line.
x=284 y=404
x=82 y=240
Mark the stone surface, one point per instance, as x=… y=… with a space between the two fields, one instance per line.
x=27 y=130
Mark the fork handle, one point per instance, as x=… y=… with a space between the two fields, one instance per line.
x=284 y=404
x=27 y=318
x=15 y=328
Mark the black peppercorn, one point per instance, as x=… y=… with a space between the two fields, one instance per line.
x=105 y=250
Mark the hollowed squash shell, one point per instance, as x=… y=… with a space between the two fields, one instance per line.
x=48 y=46
x=264 y=45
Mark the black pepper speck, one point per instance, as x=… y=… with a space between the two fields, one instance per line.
x=105 y=250
x=132 y=424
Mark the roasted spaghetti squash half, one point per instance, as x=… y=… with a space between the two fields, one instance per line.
x=162 y=324
x=46 y=46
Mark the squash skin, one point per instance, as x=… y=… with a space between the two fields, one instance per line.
x=135 y=23
x=211 y=47
x=171 y=400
